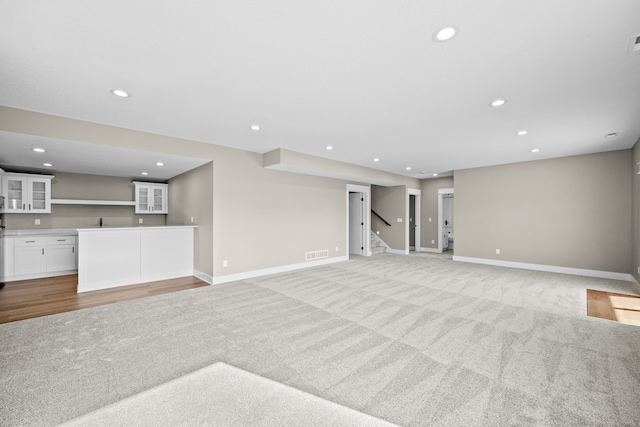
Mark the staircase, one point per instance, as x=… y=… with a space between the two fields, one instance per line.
x=376 y=247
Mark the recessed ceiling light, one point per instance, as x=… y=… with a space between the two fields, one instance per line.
x=444 y=34
x=611 y=135
x=535 y=150
x=521 y=132
x=329 y=147
x=498 y=102
x=38 y=150
x=376 y=159
x=121 y=93
x=255 y=127
x=159 y=164
x=144 y=173
x=47 y=165
x=435 y=174
x=408 y=168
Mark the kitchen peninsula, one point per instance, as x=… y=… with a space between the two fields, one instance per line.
x=119 y=256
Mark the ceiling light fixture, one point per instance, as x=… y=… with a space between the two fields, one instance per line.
x=435 y=174
x=47 y=165
x=329 y=147
x=376 y=159
x=38 y=150
x=159 y=164
x=121 y=93
x=144 y=173
x=255 y=127
x=535 y=150
x=498 y=103
x=611 y=135
x=521 y=132
x=445 y=34
x=408 y=168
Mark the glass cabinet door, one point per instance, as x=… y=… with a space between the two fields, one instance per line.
x=15 y=194
x=38 y=195
x=143 y=199
x=158 y=199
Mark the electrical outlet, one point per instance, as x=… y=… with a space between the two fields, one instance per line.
x=433 y=242
x=399 y=219
x=497 y=251
x=429 y=219
x=191 y=220
x=377 y=232
x=37 y=222
x=225 y=263
x=140 y=220
x=336 y=249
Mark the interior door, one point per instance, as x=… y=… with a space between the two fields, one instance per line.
x=356 y=224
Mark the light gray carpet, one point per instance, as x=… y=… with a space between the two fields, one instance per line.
x=415 y=340
x=222 y=395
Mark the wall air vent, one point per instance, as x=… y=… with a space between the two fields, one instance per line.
x=310 y=256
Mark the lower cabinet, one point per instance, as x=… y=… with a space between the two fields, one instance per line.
x=38 y=256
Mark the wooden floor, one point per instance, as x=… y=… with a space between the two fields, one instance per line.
x=27 y=299
x=618 y=307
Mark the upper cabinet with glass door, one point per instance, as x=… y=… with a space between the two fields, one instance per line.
x=151 y=198
x=26 y=193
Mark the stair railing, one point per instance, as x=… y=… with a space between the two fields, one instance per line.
x=383 y=220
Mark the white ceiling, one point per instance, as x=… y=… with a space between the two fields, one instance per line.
x=364 y=76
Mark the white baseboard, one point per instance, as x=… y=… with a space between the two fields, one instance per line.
x=397 y=251
x=203 y=276
x=635 y=283
x=282 y=269
x=549 y=268
x=37 y=275
x=432 y=250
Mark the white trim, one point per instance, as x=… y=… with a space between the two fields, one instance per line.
x=417 y=229
x=274 y=270
x=441 y=193
x=203 y=276
x=635 y=283
x=433 y=250
x=42 y=275
x=549 y=268
x=398 y=251
x=366 y=191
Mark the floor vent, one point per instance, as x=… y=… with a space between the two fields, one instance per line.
x=310 y=256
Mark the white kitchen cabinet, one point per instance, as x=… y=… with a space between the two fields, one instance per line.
x=151 y=198
x=29 y=255
x=25 y=193
x=61 y=253
x=36 y=256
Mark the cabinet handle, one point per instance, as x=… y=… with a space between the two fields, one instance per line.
x=23 y=207
x=29 y=206
x=62 y=240
x=73 y=249
x=42 y=251
x=29 y=241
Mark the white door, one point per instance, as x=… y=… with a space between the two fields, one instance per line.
x=356 y=223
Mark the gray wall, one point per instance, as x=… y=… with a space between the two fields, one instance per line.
x=262 y=218
x=635 y=228
x=192 y=197
x=390 y=203
x=570 y=212
x=86 y=187
x=429 y=209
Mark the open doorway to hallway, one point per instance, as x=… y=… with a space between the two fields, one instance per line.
x=358 y=220
x=445 y=220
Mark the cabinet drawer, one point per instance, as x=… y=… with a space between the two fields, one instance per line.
x=61 y=240
x=29 y=241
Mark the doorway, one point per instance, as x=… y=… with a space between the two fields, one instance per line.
x=358 y=220
x=445 y=219
x=413 y=223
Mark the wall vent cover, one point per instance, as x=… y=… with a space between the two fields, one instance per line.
x=310 y=256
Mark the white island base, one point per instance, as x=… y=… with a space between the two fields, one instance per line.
x=112 y=257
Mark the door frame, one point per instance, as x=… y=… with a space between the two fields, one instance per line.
x=441 y=193
x=365 y=190
x=417 y=223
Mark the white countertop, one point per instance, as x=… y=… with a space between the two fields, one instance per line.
x=74 y=231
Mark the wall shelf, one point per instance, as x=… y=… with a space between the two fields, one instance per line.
x=92 y=202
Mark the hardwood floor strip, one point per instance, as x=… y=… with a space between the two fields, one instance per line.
x=27 y=299
x=612 y=306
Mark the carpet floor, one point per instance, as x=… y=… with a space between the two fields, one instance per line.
x=415 y=340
